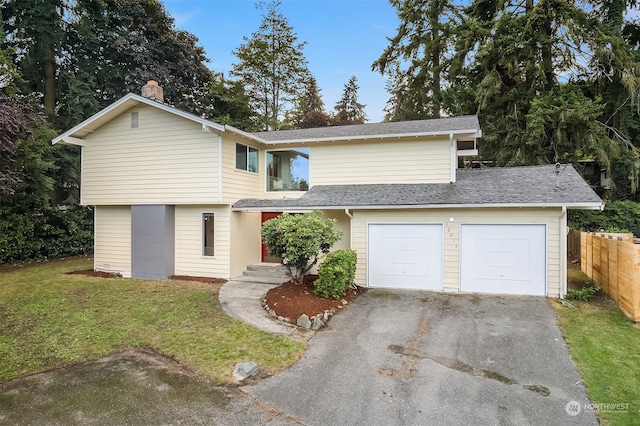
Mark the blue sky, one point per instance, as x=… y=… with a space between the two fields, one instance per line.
x=343 y=38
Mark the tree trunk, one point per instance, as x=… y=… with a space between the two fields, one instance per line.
x=50 y=83
x=436 y=91
x=437 y=94
x=547 y=55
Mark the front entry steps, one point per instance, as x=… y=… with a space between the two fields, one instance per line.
x=265 y=273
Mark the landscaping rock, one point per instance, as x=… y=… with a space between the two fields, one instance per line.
x=244 y=370
x=317 y=322
x=304 y=321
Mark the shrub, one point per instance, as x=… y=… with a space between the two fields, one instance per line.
x=618 y=216
x=298 y=240
x=44 y=233
x=335 y=274
x=584 y=293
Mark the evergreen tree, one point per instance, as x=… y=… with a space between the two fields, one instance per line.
x=518 y=52
x=36 y=30
x=348 y=109
x=418 y=57
x=272 y=67
x=17 y=121
x=310 y=111
x=9 y=75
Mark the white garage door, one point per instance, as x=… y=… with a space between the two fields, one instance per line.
x=507 y=259
x=405 y=256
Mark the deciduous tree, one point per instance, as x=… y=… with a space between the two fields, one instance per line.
x=118 y=45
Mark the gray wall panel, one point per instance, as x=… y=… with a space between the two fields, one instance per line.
x=152 y=241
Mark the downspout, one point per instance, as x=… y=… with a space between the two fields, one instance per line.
x=95 y=221
x=219 y=168
x=350 y=216
x=563 y=252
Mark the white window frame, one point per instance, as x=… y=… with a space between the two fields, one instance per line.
x=266 y=168
x=248 y=150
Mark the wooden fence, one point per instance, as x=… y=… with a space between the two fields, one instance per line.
x=612 y=261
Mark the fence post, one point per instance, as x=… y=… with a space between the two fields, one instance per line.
x=583 y=252
x=604 y=263
x=613 y=268
x=589 y=270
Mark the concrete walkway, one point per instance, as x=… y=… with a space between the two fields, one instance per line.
x=243 y=301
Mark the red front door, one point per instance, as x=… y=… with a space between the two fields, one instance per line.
x=265 y=252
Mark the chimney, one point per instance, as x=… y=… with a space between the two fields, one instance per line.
x=151 y=90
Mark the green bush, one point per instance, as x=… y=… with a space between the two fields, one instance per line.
x=584 y=293
x=44 y=233
x=336 y=274
x=617 y=216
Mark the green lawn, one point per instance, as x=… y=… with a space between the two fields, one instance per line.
x=49 y=319
x=605 y=346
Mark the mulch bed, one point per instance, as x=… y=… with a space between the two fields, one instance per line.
x=290 y=300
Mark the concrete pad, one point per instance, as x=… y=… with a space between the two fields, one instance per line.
x=243 y=301
x=128 y=388
x=413 y=357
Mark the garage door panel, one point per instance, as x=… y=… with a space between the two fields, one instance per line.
x=503 y=259
x=405 y=256
x=508 y=259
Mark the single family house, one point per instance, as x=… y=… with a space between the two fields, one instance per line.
x=178 y=194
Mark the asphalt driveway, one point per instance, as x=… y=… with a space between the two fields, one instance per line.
x=408 y=358
x=391 y=358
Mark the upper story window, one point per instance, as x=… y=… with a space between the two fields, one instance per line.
x=246 y=158
x=288 y=170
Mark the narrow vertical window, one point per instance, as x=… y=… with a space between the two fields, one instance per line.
x=134 y=120
x=208 y=237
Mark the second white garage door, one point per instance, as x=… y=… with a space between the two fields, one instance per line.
x=508 y=259
x=405 y=256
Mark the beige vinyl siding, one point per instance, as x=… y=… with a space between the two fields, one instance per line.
x=343 y=224
x=238 y=184
x=550 y=217
x=189 y=233
x=391 y=161
x=166 y=160
x=112 y=240
x=246 y=246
